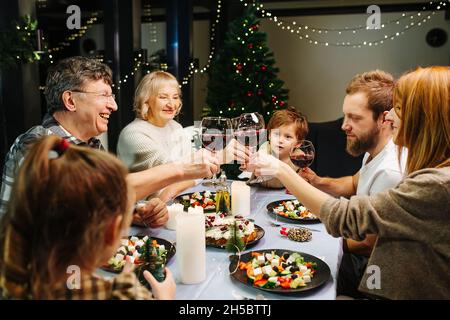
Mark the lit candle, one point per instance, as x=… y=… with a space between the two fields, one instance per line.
x=191 y=247
x=174 y=210
x=240 y=198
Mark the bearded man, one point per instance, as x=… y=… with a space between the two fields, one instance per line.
x=366 y=104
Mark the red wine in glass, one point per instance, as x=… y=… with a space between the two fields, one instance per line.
x=303 y=161
x=215 y=141
x=251 y=137
x=216 y=132
x=302 y=156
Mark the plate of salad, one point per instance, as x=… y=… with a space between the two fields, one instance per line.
x=280 y=271
x=205 y=199
x=291 y=210
x=134 y=250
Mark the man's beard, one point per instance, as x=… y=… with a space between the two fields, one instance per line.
x=358 y=146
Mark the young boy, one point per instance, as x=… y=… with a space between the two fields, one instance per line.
x=286 y=128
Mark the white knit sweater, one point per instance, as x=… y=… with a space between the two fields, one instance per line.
x=143 y=145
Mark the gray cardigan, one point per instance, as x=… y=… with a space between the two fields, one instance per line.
x=413 y=226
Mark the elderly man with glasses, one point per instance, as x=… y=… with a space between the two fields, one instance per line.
x=79 y=103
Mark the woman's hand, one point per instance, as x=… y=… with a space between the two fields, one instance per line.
x=234 y=151
x=162 y=290
x=201 y=164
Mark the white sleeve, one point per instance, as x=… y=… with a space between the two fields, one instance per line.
x=384 y=180
x=139 y=151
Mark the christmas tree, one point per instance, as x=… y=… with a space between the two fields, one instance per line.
x=243 y=76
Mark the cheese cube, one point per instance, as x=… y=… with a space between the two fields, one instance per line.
x=186 y=197
x=306 y=278
x=145 y=238
x=289 y=206
x=119 y=257
x=303 y=268
x=290 y=259
x=257 y=271
x=131 y=248
x=124 y=242
x=140 y=243
x=268 y=256
x=273 y=279
x=134 y=239
x=295 y=202
x=267 y=269
x=261 y=260
x=162 y=248
x=275 y=262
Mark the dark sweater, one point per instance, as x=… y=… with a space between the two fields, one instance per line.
x=413 y=226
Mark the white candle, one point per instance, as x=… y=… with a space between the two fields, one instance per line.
x=199 y=210
x=191 y=247
x=240 y=198
x=174 y=210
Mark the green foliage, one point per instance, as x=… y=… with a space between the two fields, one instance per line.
x=243 y=76
x=16 y=43
x=235 y=242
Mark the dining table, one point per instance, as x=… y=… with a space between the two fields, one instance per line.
x=220 y=285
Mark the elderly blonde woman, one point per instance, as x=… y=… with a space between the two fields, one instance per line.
x=154 y=137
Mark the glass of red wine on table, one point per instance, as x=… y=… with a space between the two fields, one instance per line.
x=216 y=133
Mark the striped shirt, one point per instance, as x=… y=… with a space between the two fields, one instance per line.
x=17 y=152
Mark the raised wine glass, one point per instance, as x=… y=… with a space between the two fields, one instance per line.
x=251 y=132
x=215 y=135
x=303 y=154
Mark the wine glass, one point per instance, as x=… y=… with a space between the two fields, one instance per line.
x=303 y=154
x=235 y=122
x=250 y=131
x=215 y=134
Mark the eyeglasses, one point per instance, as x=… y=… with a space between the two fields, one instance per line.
x=105 y=96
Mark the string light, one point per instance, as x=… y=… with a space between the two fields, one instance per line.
x=192 y=70
x=305 y=32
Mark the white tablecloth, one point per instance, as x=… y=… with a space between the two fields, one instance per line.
x=220 y=285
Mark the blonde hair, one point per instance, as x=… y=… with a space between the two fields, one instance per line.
x=289 y=116
x=59 y=211
x=147 y=91
x=421 y=100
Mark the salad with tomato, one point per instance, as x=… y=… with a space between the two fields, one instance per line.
x=204 y=199
x=286 y=271
x=133 y=250
x=293 y=209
